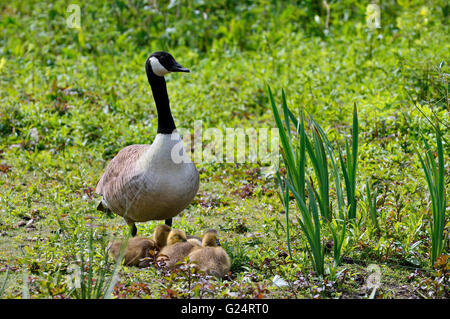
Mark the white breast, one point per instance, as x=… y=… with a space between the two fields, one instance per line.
x=168 y=186
x=162 y=154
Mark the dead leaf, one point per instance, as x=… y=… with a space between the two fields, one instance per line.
x=4 y=168
x=21 y=223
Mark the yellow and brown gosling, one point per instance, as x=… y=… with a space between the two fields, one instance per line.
x=211 y=259
x=139 y=248
x=178 y=248
x=160 y=235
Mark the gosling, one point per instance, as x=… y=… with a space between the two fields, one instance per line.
x=139 y=248
x=211 y=259
x=178 y=248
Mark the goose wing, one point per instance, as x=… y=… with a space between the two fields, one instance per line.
x=119 y=171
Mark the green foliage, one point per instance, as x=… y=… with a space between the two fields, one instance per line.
x=372 y=204
x=435 y=176
x=71 y=98
x=349 y=167
x=295 y=162
x=318 y=157
x=91 y=280
x=5 y=279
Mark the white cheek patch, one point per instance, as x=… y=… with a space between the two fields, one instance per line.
x=157 y=67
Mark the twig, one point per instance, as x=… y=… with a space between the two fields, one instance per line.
x=327 y=7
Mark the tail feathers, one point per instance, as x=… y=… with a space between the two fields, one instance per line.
x=101 y=207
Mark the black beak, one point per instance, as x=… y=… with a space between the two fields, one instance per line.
x=176 y=67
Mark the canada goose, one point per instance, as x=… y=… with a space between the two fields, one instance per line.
x=140 y=247
x=178 y=247
x=145 y=182
x=211 y=259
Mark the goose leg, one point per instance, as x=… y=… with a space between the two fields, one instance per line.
x=132 y=225
x=133 y=229
x=169 y=222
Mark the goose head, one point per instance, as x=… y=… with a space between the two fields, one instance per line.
x=176 y=236
x=160 y=235
x=162 y=63
x=210 y=238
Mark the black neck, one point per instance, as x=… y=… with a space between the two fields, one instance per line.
x=166 y=125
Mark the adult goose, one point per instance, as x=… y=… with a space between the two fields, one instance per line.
x=149 y=182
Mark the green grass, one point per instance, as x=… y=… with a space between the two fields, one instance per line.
x=435 y=176
x=294 y=155
x=349 y=167
x=5 y=280
x=70 y=99
x=371 y=204
x=93 y=282
x=294 y=160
